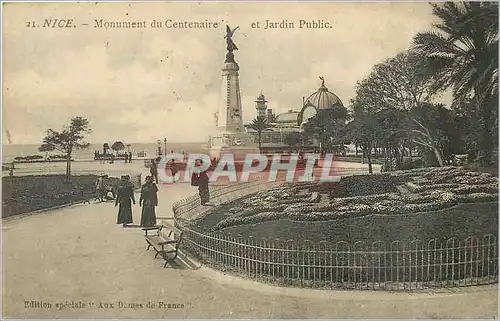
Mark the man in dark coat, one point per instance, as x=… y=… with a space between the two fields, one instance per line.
x=200 y=179
x=125 y=197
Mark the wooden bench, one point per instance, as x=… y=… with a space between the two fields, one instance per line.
x=165 y=241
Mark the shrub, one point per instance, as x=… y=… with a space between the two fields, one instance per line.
x=360 y=185
x=411 y=163
x=477 y=198
x=467 y=189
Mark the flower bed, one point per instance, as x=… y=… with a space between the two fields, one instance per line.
x=430 y=189
x=361 y=185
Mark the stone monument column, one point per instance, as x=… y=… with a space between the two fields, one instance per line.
x=231 y=136
x=230 y=112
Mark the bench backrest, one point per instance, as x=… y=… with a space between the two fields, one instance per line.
x=173 y=233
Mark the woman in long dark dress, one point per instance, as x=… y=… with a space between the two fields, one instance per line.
x=200 y=179
x=174 y=170
x=125 y=197
x=148 y=201
x=154 y=170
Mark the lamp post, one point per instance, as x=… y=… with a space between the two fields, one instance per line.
x=159 y=147
x=165 y=150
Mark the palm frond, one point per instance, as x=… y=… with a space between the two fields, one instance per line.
x=431 y=43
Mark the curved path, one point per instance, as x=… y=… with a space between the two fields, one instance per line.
x=80 y=254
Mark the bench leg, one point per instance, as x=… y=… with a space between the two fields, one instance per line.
x=165 y=265
x=149 y=245
x=156 y=255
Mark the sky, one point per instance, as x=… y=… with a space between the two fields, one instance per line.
x=138 y=85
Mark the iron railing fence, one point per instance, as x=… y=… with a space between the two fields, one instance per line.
x=379 y=265
x=395 y=265
x=190 y=208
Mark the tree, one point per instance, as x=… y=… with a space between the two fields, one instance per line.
x=105 y=148
x=46 y=148
x=327 y=126
x=391 y=135
x=259 y=124
x=118 y=146
x=438 y=130
x=425 y=138
x=469 y=123
x=363 y=129
x=70 y=138
x=463 y=55
x=293 y=139
x=397 y=82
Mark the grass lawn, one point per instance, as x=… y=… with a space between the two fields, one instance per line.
x=22 y=194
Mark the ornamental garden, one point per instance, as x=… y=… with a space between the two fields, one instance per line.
x=445 y=201
x=412 y=229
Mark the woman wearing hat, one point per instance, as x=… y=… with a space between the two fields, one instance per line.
x=125 y=197
x=148 y=201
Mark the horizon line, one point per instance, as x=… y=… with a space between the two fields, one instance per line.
x=168 y=142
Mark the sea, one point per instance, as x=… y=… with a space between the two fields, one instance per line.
x=9 y=151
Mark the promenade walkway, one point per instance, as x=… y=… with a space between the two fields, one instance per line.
x=80 y=254
x=120 y=168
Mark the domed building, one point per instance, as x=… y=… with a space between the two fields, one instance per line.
x=283 y=124
x=288 y=119
x=321 y=99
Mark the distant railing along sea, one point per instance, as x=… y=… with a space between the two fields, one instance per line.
x=9 y=151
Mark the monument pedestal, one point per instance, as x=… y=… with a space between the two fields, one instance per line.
x=237 y=144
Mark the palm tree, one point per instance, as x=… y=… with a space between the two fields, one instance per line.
x=259 y=124
x=463 y=55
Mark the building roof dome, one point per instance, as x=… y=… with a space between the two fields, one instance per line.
x=290 y=117
x=323 y=98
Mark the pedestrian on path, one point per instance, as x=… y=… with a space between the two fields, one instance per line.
x=125 y=198
x=148 y=201
x=200 y=179
x=173 y=170
x=154 y=170
x=100 y=188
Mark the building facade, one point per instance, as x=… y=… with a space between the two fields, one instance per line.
x=275 y=138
